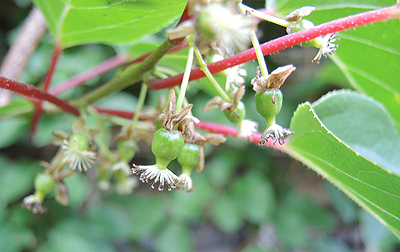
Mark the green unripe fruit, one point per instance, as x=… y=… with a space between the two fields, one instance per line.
x=238 y=115
x=189 y=156
x=80 y=141
x=269 y=104
x=303 y=24
x=126 y=149
x=206 y=20
x=166 y=146
x=44 y=184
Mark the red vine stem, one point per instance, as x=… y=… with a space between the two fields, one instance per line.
x=120 y=113
x=49 y=75
x=284 y=42
x=34 y=92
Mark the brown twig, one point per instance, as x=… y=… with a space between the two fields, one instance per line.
x=21 y=51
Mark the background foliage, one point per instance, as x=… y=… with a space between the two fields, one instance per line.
x=248 y=198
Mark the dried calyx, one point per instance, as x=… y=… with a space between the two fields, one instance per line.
x=326 y=44
x=273 y=81
x=177 y=122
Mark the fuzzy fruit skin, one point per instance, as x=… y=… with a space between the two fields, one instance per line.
x=44 y=184
x=205 y=21
x=189 y=156
x=238 y=116
x=269 y=104
x=166 y=146
x=126 y=149
x=79 y=140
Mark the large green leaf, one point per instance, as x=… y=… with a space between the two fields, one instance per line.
x=372 y=187
x=363 y=124
x=75 y=22
x=368 y=56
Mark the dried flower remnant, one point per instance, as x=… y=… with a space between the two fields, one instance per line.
x=296 y=17
x=327 y=46
x=121 y=166
x=277 y=133
x=170 y=119
x=187 y=182
x=201 y=140
x=34 y=203
x=246 y=129
x=273 y=81
x=154 y=174
x=77 y=154
x=126 y=185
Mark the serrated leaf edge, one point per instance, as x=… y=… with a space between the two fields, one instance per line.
x=295 y=154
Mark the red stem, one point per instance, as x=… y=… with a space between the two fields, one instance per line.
x=203 y=125
x=285 y=42
x=91 y=73
x=47 y=80
x=120 y=113
x=34 y=92
x=49 y=75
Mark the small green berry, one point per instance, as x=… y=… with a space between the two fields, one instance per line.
x=44 y=184
x=126 y=150
x=237 y=115
x=166 y=146
x=80 y=141
x=189 y=156
x=269 y=104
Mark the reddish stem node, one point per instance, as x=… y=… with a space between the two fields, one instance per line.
x=47 y=80
x=283 y=43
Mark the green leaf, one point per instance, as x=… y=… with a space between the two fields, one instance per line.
x=17 y=106
x=363 y=124
x=12 y=129
x=254 y=196
x=175 y=237
x=369 y=185
x=16 y=178
x=148 y=212
x=225 y=215
x=375 y=236
x=368 y=56
x=75 y=22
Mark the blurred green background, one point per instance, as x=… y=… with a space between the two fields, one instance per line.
x=247 y=198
